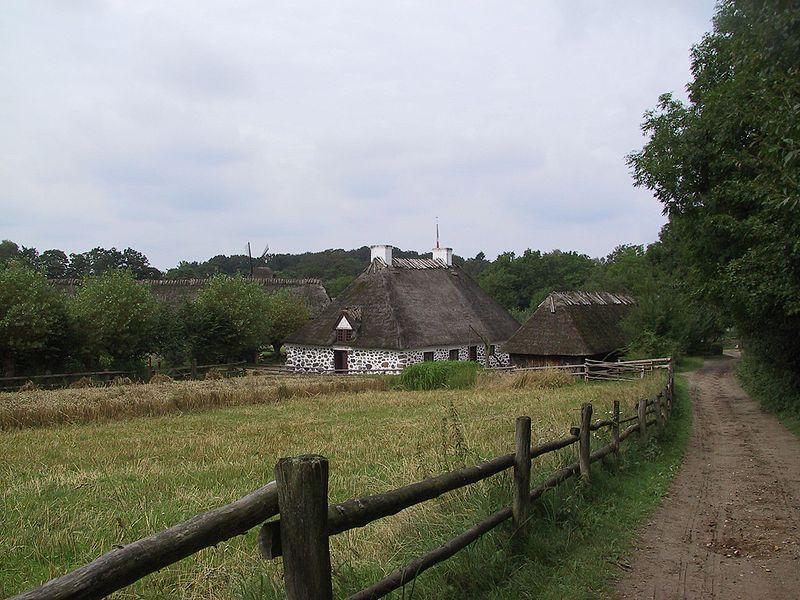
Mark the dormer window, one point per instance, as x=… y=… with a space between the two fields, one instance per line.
x=344 y=330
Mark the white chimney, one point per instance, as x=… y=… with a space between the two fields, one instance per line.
x=382 y=251
x=444 y=254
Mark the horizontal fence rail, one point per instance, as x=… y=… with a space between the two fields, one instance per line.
x=121 y=567
x=302 y=483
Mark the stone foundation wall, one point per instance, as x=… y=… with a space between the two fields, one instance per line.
x=320 y=358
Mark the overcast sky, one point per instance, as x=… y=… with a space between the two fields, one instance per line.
x=185 y=129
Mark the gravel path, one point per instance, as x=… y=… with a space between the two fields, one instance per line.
x=729 y=526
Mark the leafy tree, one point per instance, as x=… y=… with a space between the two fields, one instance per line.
x=725 y=166
x=116 y=319
x=228 y=320
x=474 y=267
x=54 y=263
x=185 y=270
x=286 y=314
x=520 y=283
x=8 y=251
x=31 y=314
x=337 y=285
x=98 y=261
x=11 y=251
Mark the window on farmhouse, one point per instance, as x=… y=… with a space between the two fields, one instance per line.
x=427 y=356
x=473 y=353
x=343 y=335
x=491 y=350
x=454 y=354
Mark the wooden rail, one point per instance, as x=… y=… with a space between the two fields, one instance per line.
x=301 y=535
x=119 y=568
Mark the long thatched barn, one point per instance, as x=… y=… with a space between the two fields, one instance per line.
x=401 y=311
x=569 y=327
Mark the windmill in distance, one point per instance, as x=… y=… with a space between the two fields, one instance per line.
x=263 y=272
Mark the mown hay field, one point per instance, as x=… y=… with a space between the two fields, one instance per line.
x=70 y=492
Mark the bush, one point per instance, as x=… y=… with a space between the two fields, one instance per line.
x=774 y=387
x=437 y=375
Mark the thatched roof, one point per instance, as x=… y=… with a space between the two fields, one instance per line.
x=176 y=292
x=414 y=303
x=573 y=324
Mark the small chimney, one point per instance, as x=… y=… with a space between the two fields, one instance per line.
x=444 y=254
x=382 y=251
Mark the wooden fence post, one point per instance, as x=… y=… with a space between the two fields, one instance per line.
x=194 y=368
x=671 y=383
x=642 y=414
x=585 y=371
x=659 y=414
x=615 y=426
x=303 y=501
x=522 y=480
x=585 y=439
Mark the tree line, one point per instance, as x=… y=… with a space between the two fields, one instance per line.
x=113 y=322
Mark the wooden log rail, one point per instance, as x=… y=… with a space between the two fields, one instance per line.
x=302 y=483
x=121 y=567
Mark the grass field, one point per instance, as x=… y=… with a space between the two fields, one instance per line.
x=71 y=492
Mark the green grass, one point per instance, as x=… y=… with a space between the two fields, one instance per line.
x=69 y=493
x=688 y=363
x=447 y=374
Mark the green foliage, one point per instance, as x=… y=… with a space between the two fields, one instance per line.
x=522 y=282
x=55 y=263
x=448 y=374
x=99 y=261
x=725 y=167
x=775 y=388
x=115 y=319
x=286 y=313
x=32 y=315
x=337 y=285
x=229 y=320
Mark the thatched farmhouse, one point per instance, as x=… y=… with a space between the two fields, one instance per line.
x=402 y=311
x=569 y=327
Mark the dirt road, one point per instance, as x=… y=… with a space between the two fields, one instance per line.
x=729 y=527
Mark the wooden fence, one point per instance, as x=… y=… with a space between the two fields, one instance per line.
x=58 y=379
x=307 y=520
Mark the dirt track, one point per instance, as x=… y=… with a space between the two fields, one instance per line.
x=729 y=526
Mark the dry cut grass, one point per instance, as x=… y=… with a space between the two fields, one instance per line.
x=70 y=493
x=517 y=380
x=162 y=396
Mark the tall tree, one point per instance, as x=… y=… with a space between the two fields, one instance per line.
x=286 y=313
x=725 y=166
x=31 y=313
x=54 y=263
x=228 y=320
x=116 y=319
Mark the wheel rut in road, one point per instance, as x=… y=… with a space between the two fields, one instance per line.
x=728 y=528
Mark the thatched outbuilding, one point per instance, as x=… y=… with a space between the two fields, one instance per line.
x=569 y=327
x=401 y=311
x=176 y=292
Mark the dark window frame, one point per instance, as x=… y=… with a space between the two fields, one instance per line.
x=453 y=354
x=428 y=357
